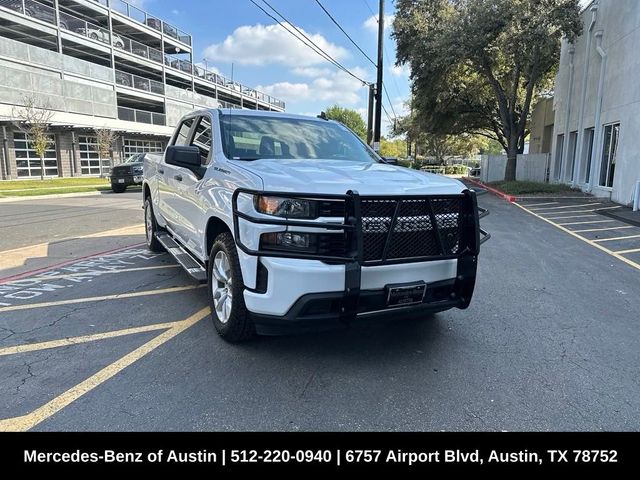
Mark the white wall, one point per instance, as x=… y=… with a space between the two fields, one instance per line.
x=619 y=22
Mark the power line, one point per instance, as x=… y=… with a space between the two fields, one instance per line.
x=343 y=31
x=317 y=50
x=384 y=87
x=369 y=7
x=386 y=53
x=312 y=45
x=387 y=114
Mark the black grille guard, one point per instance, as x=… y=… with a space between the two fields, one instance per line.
x=471 y=236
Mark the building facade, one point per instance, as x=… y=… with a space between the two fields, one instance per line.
x=596 y=143
x=541 y=126
x=100 y=64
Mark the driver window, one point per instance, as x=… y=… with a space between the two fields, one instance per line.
x=202 y=138
x=183 y=133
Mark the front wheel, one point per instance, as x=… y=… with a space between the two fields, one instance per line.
x=228 y=311
x=151 y=228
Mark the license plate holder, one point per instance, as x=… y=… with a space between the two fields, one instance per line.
x=121 y=180
x=401 y=295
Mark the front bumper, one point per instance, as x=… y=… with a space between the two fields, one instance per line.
x=310 y=291
x=321 y=311
x=126 y=180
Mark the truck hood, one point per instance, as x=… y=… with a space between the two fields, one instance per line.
x=339 y=176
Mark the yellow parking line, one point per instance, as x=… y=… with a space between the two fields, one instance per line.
x=616 y=238
x=571 y=216
x=32 y=347
x=633 y=250
x=600 y=229
x=567 y=206
x=30 y=420
x=117 y=296
x=586 y=223
x=97 y=273
x=586 y=240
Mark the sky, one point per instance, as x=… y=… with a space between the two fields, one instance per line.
x=266 y=57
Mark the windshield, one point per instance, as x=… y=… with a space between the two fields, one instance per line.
x=133 y=158
x=248 y=137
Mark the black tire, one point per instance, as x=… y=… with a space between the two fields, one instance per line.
x=151 y=228
x=118 y=188
x=238 y=326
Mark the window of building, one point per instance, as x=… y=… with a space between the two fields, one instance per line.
x=571 y=164
x=183 y=133
x=558 y=163
x=27 y=160
x=90 y=161
x=588 y=152
x=609 y=152
x=131 y=146
x=202 y=138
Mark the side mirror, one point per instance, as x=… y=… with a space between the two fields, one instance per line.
x=183 y=156
x=390 y=160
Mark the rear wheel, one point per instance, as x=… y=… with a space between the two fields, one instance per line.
x=228 y=310
x=151 y=228
x=118 y=188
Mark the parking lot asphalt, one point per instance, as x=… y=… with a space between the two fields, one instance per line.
x=39 y=233
x=123 y=341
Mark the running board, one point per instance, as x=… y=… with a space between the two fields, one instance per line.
x=183 y=257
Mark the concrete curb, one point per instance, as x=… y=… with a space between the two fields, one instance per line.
x=495 y=191
x=55 y=195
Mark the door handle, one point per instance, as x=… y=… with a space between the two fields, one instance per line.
x=160 y=170
x=178 y=177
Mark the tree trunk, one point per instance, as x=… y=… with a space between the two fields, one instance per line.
x=512 y=156
x=41 y=168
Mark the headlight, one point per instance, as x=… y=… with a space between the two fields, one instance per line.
x=137 y=169
x=285 y=207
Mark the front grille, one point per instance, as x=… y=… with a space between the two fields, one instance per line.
x=121 y=170
x=413 y=234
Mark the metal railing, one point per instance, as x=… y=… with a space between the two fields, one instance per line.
x=96 y=32
x=90 y=30
x=31 y=8
x=137 y=48
x=139 y=83
x=141 y=116
x=140 y=16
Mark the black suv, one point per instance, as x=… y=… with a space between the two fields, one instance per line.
x=127 y=173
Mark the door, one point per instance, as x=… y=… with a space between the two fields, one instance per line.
x=188 y=203
x=166 y=179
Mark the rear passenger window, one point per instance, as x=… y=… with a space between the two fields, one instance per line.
x=202 y=138
x=183 y=133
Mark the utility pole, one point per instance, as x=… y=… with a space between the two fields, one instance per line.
x=372 y=92
x=378 y=115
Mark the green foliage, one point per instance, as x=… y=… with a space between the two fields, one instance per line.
x=476 y=65
x=393 y=148
x=349 y=118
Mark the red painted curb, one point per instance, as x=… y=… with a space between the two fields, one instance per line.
x=495 y=191
x=18 y=276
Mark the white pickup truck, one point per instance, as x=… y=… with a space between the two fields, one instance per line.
x=296 y=224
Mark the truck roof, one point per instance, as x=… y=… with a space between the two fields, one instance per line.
x=262 y=113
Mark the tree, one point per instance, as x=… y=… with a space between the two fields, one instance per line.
x=33 y=119
x=476 y=65
x=105 y=140
x=439 y=145
x=349 y=118
x=396 y=148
